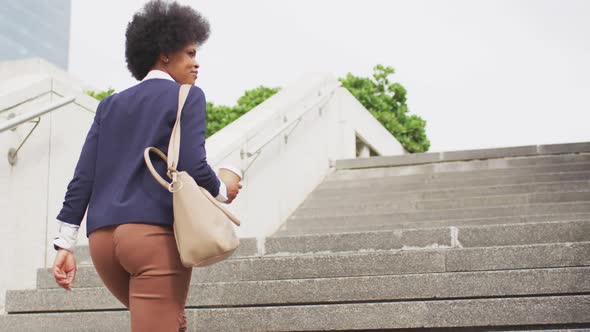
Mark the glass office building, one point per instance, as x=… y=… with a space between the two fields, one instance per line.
x=35 y=28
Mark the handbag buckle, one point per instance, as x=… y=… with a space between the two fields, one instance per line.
x=174 y=180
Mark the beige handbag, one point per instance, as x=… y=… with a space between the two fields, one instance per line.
x=202 y=227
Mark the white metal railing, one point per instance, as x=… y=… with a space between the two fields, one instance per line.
x=257 y=149
x=20 y=119
x=22 y=102
x=236 y=136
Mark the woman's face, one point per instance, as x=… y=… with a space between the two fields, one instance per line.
x=182 y=65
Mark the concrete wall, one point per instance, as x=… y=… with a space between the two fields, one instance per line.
x=32 y=191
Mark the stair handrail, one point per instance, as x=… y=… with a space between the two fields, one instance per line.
x=289 y=123
x=258 y=148
x=22 y=118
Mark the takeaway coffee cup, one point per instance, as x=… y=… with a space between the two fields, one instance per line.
x=230 y=173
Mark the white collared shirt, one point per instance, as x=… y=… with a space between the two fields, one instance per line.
x=156 y=73
x=67 y=236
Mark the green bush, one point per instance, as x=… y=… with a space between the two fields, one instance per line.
x=387 y=102
x=219 y=116
x=101 y=94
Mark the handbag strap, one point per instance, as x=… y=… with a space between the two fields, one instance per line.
x=174 y=144
x=172 y=158
x=148 y=161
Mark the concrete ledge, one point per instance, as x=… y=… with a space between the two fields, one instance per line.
x=347 y=197
x=420 y=314
x=369 y=225
x=433 y=157
x=352 y=208
x=329 y=290
x=564 y=148
x=505 y=312
x=358 y=241
x=462 y=171
x=369 y=264
x=111 y=321
x=291 y=267
x=434 y=237
x=311 y=223
x=461 y=166
x=460 y=236
x=453 y=178
x=391 y=186
x=523 y=234
x=517 y=151
x=519 y=257
x=384 y=161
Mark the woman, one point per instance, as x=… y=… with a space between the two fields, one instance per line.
x=130 y=216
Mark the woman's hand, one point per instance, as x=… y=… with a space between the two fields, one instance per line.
x=64 y=268
x=233 y=189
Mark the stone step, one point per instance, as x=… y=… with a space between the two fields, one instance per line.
x=433 y=237
x=362 y=187
x=410 y=205
x=380 y=223
x=449 y=178
x=345 y=198
x=368 y=217
x=500 y=200
x=427 y=286
x=459 y=166
x=438 y=157
x=533 y=312
x=366 y=225
x=465 y=171
x=390 y=262
x=465 y=236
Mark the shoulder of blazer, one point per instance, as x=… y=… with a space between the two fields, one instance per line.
x=104 y=104
x=195 y=93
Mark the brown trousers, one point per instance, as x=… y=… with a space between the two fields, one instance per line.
x=140 y=265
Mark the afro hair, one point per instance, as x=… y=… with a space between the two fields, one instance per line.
x=161 y=27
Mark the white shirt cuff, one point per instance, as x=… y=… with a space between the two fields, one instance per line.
x=222 y=196
x=67 y=236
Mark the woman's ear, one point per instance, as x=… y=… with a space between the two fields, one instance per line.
x=164 y=58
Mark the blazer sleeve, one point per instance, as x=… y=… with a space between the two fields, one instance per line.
x=192 y=154
x=80 y=187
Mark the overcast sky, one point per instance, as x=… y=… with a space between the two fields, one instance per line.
x=481 y=73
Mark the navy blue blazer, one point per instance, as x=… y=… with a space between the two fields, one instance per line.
x=111 y=177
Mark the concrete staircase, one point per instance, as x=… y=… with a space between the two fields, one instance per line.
x=481 y=240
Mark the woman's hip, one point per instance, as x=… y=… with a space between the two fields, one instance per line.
x=138 y=247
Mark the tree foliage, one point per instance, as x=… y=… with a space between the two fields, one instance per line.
x=100 y=95
x=219 y=116
x=387 y=102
